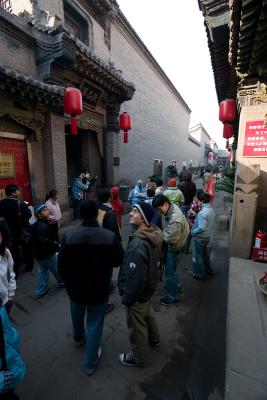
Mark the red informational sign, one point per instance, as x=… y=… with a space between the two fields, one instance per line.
x=255 y=144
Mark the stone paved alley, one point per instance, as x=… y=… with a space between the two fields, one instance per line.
x=189 y=364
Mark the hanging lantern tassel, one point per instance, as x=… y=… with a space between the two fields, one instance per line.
x=125 y=137
x=125 y=122
x=227 y=144
x=73 y=126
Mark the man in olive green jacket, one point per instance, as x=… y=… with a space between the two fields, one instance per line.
x=175 y=236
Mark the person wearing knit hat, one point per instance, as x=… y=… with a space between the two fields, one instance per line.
x=45 y=248
x=146 y=212
x=174 y=194
x=137 y=282
x=172 y=182
x=39 y=208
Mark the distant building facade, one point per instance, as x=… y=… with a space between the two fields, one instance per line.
x=201 y=149
x=49 y=45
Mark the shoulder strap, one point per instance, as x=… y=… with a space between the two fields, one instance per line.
x=2 y=346
x=100 y=216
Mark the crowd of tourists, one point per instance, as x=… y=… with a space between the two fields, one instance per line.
x=163 y=222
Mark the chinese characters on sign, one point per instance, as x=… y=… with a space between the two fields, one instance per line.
x=255 y=144
x=7 y=167
x=91 y=94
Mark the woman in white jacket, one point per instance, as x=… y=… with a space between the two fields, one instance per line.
x=7 y=274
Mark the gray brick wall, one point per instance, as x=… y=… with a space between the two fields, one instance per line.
x=160 y=120
x=17 y=55
x=54 y=154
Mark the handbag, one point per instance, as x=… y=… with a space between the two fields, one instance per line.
x=9 y=395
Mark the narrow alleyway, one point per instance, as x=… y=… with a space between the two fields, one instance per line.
x=189 y=364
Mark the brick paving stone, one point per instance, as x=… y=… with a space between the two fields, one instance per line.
x=54 y=364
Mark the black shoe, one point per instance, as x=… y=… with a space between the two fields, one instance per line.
x=166 y=302
x=79 y=342
x=155 y=344
x=195 y=277
x=127 y=359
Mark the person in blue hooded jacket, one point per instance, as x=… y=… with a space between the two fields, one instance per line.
x=12 y=366
x=138 y=193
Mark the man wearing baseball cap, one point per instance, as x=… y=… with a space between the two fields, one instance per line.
x=137 y=282
x=45 y=248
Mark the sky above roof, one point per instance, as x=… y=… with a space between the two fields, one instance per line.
x=174 y=33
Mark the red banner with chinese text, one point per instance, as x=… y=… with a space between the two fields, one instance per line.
x=255 y=143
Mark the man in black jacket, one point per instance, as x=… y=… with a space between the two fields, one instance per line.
x=106 y=215
x=17 y=215
x=107 y=219
x=45 y=249
x=87 y=257
x=137 y=281
x=188 y=189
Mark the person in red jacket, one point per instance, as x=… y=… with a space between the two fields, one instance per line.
x=117 y=204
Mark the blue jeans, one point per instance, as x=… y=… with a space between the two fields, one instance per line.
x=95 y=322
x=45 y=265
x=202 y=252
x=171 y=277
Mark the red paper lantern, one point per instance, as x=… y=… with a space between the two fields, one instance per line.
x=228 y=131
x=125 y=125
x=227 y=110
x=73 y=105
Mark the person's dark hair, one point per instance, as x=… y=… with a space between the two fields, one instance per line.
x=4 y=234
x=88 y=209
x=199 y=192
x=205 y=197
x=9 y=189
x=159 y=200
x=84 y=171
x=159 y=182
x=150 y=193
x=188 y=176
x=52 y=193
x=103 y=195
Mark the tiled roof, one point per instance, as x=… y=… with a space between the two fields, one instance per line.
x=217 y=18
x=29 y=82
x=84 y=50
x=248 y=44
